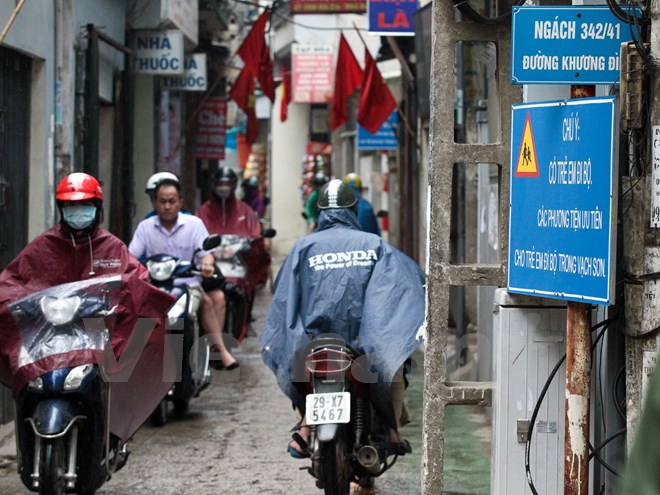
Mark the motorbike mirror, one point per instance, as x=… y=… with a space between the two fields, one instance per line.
x=268 y=233
x=212 y=242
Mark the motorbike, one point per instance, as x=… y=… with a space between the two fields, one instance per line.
x=63 y=415
x=348 y=441
x=194 y=374
x=232 y=261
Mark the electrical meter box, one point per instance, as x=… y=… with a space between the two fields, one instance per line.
x=529 y=340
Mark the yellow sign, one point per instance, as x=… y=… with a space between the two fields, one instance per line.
x=527 y=165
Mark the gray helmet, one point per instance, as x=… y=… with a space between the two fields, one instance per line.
x=225 y=174
x=336 y=194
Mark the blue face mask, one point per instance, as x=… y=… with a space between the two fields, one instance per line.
x=79 y=217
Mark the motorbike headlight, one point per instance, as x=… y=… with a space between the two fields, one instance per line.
x=161 y=270
x=60 y=311
x=36 y=383
x=178 y=309
x=76 y=376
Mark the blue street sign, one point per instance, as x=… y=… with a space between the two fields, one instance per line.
x=561 y=214
x=392 y=18
x=566 y=45
x=384 y=139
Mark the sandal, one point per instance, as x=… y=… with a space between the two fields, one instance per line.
x=297 y=439
x=218 y=365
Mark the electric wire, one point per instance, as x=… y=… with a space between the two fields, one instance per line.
x=465 y=8
x=544 y=390
x=615 y=393
x=606 y=441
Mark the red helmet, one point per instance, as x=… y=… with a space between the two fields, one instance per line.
x=78 y=187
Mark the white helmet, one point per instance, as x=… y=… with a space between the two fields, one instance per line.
x=155 y=179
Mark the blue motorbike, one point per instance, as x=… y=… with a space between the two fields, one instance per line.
x=63 y=415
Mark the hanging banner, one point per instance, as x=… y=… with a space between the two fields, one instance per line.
x=328 y=6
x=211 y=132
x=311 y=73
x=169 y=137
x=159 y=52
x=194 y=77
x=392 y=18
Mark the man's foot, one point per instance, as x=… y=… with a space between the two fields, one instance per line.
x=298 y=447
x=402 y=445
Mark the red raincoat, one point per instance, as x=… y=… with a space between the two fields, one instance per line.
x=233 y=216
x=55 y=258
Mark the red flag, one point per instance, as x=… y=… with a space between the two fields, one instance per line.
x=256 y=55
x=286 y=94
x=376 y=100
x=348 y=77
x=265 y=76
x=242 y=92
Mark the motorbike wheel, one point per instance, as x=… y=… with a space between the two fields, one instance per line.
x=180 y=407
x=52 y=467
x=335 y=465
x=159 y=416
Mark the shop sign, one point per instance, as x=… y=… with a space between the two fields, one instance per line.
x=159 y=52
x=194 y=77
x=311 y=68
x=384 y=139
x=328 y=6
x=392 y=17
x=211 y=129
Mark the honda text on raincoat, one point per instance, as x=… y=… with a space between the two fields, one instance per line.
x=343 y=281
x=57 y=257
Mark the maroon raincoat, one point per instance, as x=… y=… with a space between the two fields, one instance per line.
x=233 y=216
x=55 y=258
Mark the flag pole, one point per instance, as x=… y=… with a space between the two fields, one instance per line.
x=404 y=118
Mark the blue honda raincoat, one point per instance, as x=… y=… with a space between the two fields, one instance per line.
x=351 y=283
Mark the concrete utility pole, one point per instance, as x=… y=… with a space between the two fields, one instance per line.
x=642 y=250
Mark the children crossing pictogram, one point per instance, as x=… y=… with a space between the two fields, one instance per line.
x=527 y=164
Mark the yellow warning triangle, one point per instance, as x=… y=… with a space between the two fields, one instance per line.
x=527 y=164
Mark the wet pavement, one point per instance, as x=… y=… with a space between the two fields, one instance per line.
x=233 y=441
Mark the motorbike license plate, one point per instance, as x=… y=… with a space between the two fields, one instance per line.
x=328 y=408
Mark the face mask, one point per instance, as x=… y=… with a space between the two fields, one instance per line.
x=79 y=217
x=223 y=192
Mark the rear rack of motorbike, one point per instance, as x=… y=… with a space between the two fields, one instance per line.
x=329 y=359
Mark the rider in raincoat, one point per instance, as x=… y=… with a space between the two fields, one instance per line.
x=79 y=249
x=223 y=213
x=351 y=283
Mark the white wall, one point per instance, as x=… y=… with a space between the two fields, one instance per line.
x=289 y=142
x=144 y=144
x=42 y=203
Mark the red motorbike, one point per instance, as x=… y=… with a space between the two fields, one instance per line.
x=348 y=441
